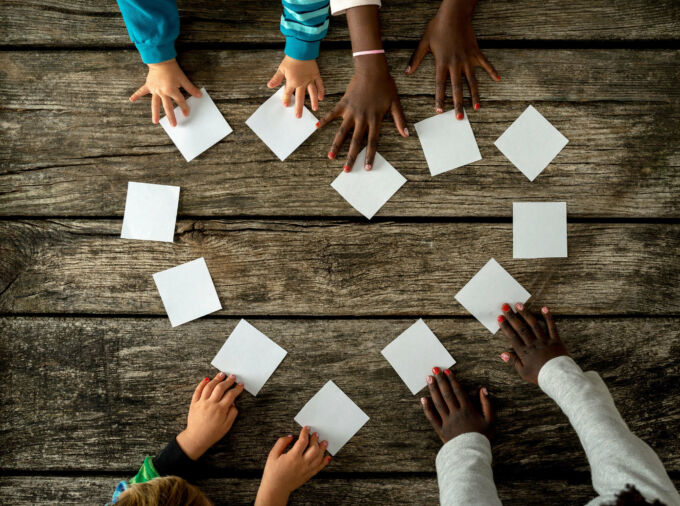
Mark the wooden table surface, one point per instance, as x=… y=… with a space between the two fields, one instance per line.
x=94 y=378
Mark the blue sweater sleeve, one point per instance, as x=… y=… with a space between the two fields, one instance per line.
x=153 y=26
x=304 y=23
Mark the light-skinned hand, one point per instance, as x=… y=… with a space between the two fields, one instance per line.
x=300 y=75
x=163 y=82
x=286 y=471
x=211 y=414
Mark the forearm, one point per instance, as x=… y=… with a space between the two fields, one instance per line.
x=464 y=472
x=616 y=456
x=304 y=24
x=268 y=497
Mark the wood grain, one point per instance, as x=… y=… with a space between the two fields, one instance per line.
x=332 y=267
x=100 y=393
x=99 y=23
x=74 y=141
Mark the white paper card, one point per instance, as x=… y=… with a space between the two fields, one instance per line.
x=486 y=292
x=531 y=143
x=368 y=190
x=187 y=291
x=414 y=353
x=278 y=127
x=204 y=127
x=333 y=415
x=448 y=143
x=150 y=212
x=250 y=356
x=539 y=229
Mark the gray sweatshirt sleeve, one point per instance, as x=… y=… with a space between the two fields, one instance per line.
x=464 y=472
x=616 y=456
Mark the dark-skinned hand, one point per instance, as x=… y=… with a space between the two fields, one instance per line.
x=453 y=413
x=369 y=96
x=532 y=344
x=450 y=38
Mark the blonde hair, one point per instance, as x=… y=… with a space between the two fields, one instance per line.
x=168 y=490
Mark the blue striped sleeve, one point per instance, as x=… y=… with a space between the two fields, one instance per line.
x=304 y=23
x=153 y=26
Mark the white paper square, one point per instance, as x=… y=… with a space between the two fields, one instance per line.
x=187 y=291
x=539 y=229
x=531 y=143
x=448 y=143
x=150 y=212
x=486 y=292
x=414 y=353
x=204 y=127
x=278 y=127
x=333 y=415
x=250 y=356
x=368 y=190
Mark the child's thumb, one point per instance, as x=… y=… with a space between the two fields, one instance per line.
x=276 y=79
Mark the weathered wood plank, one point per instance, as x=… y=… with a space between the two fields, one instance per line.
x=332 y=268
x=36 y=490
x=99 y=394
x=81 y=22
x=72 y=147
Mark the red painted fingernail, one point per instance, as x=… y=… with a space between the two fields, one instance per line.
x=477 y=106
x=331 y=155
x=328 y=459
x=206 y=379
x=501 y=319
x=544 y=310
x=459 y=115
x=439 y=110
x=346 y=168
x=429 y=379
x=435 y=370
x=447 y=372
x=505 y=357
x=317 y=124
x=505 y=307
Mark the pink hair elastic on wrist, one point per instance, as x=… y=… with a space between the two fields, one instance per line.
x=372 y=51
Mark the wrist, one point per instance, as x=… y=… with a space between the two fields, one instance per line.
x=270 y=496
x=371 y=64
x=165 y=63
x=190 y=446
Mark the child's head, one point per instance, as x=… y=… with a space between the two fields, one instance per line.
x=169 y=490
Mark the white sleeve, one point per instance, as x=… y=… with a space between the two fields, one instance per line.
x=340 y=6
x=616 y=456
x=464 y=472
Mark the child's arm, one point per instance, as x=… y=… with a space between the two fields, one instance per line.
x=285 y=472
x=370 y=94
x=450 y=38
x=304 y=23
x=617 y=457
x=464 y=462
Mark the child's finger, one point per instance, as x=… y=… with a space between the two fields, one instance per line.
x=230 y=397
x=550 y=322
x=231 y=417
x=511 y=358
x=430 y=414
x=355 y=145
x=445 y=389
x=324 y=462
x=179 y=100
x=335 y=112
x=301 y=444
x=532 y=321
x=280 y=446
x=518 y=324
x=199 y=389
x=340 y=137
x=276 y=79
x=299 y=101
x=487 y=408
x=155 y=109
x=436 y=395
x=461 y=396
x=439 y=87
x=219 y=391
x=457 y=83
x=287 y=93
x=144 y=90
x=484 y=63
x=313 y=451
x=474 y=90
x=208 y=389
x=417 y=56
x=321 y=89
x=372 y=144
x=190 y=88
x=169 y=110
x=313 y=96
x=399 y=118
x=509 y=332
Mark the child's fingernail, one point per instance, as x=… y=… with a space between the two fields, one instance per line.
x=220 y=375
x=435 y=370
x=501 y=319
x=505 y=357
x=406 y=132
x=232 y=377
x=485 y=392
x=408 y=69
x=519 y=306
x=544 y=310
x=498 y=78
x=305 y=428
x=459 y=115
x=328 y=459
x=477 y=106
x=206 y=379
x=429 y=379
x=324 y=443
x=317 y=124
x=346 y=168
x=368 y=166
x=241 y=385
x=289 y=435
x=331 y=155
x=423 y=401
x=439 y=110
x=505 y=307
x=447 y=372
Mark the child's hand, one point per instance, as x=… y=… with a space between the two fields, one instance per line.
x=453 y=413
x=211 y=415
x=164 y=82
x=369 y=95
x=451 y=39
x=285 y=472
x=299 y=75
x=533 y=346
